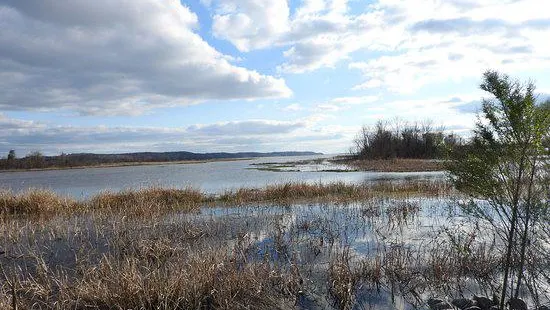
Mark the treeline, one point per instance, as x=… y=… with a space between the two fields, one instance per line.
x=397 y=139
x=37 y=160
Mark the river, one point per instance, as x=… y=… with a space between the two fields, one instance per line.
x=209 y=177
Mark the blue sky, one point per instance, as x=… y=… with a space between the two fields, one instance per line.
x=251 y=75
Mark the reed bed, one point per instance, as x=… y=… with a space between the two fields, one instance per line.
x=154 y=200
x=35 y=201
x=393 y=165
x=147 y=200
x=284 y=246
x=206 y=280
x=334 y=192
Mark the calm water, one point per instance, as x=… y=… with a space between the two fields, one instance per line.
x=212 y=177
x=313 y=235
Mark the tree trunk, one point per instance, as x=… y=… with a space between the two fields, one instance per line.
x=525 y=238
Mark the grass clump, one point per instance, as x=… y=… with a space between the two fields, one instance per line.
x=333 y=192
x=207 y=281
x=148 y=200
x=34 y=201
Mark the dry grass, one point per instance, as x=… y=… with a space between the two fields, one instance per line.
x=35 y=201
x=110 y=256
x=343 y=280
x=394 y=165
x=208 y=281
x=445 y=268
x=129 y=262
x=333 y=192
x=153 y=200
x=200 y=280
x=148 y=200
x=143 y=249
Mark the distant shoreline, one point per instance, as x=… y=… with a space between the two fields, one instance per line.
x=38 y=162
x=129 y=164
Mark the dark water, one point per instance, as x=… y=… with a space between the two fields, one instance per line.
x=212 y=177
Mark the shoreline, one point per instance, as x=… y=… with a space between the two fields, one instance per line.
x=129 y=164
x=343 y=164
x=392 y=165
x=362 y=165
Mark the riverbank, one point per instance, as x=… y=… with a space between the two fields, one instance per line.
x=128 y=164
x=351 y=164
x=391 y=165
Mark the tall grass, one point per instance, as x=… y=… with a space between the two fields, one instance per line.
x=35 y=201
x=148 y=200
x=200 y=280
x=333 y=192
x=147 y=249
x=113 y=255
x=156 y=199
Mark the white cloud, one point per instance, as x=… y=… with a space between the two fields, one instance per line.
x=453 y=40
x=412 y=43
x=294 y=107
x=249 y=127
x=250 y=24
x=258 y=135
x=320 y=33
x=114 y=57
x=342 y=103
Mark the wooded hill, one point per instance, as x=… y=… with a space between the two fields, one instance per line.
x=36 y=160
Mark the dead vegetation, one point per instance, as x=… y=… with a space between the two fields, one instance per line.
x=392 y=165
x=180 y=249
x=156 y=199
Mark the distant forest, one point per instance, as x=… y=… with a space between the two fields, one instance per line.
x=36 y=160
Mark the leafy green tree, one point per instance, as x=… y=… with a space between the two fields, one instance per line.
x=11 y=155
x=502 y=166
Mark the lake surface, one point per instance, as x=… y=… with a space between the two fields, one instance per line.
x=210 y=177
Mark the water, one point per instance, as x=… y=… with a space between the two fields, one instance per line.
x=210 y=177
x=405 y=239
x=313 y=236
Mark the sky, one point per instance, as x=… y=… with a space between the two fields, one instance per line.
x=108 y=76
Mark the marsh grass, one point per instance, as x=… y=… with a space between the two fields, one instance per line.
x=206 y=281
x=343 y=280
x=333 y=192
x=456 y=267
x=245 y=249
x=201 y=280
x=392 y=165
x=155 y=199
x=147 y=200
x=136 y=263
x=35 y=201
